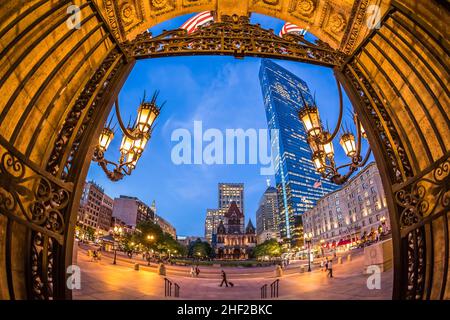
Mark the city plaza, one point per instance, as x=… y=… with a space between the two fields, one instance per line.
x=102 y=280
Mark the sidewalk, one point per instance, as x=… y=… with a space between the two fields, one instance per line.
x=103 y=280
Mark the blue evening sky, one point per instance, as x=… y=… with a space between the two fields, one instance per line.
x=222 y=92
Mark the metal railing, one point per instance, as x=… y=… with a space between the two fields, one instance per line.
x=274 y=286
x=264 y=291
x=177 y=290
x=274 y=289
x=168 y=288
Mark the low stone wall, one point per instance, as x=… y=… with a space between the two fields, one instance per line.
x=379 y=254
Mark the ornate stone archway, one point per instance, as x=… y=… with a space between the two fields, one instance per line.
x=58 y=85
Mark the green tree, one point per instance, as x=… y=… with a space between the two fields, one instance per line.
x=269 y=248
x=200 y=249
x=89 y=233
x=152 y=237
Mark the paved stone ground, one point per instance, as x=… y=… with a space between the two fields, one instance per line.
x=103 y=280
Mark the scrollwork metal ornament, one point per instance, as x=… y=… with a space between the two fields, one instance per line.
x=42 y=259
x=235 y=36
x=416 y=264
x=118 y=171
x=31 y=196
x=428 y=195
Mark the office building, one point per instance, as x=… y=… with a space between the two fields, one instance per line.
x=351 y=213
x=213 y=218
x=295 y=174
x=166 y=226
x=131 y=210
x=267 y=216
x=95 y=208
x=229 y=192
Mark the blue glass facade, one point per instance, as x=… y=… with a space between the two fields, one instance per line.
x=295 y=173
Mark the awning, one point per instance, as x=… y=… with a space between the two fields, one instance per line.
x=107 y=238
x=344 y=242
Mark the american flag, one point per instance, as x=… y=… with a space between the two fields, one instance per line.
x=289 y=27
x=199 y=19
x=317 y=184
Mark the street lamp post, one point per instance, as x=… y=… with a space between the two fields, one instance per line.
x=308 y=239
x=383 y=222
x=117 y=231
x=135 y=138
x=150 y=238
x=321 y=142
x=322 y=241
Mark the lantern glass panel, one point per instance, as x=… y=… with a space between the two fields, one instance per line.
x=328 y=147
x=315 y=147
x=143 y=116
x=126 y=145
x=319 y=161
x=348 y=144
x=105 y=138
x=140 y=144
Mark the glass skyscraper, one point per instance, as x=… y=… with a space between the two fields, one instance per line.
x=295 y=174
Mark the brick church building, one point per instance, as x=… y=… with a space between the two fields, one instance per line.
x=234 y=241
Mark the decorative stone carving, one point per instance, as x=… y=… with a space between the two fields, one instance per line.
x=305 y=7
x=193 y=3
x=111 y=18
x=356 y=21
x=159 y=4
x=127 y=13
x=268 y=4
x=131 y=15
x=337 y=23
x=159 y=7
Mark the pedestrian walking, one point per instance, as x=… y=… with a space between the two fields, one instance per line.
x=321 y=265
x=197 y=271
x=224 y=279
x=94 y=255
x=326 y=265
x=330 y=269
x=192 y=272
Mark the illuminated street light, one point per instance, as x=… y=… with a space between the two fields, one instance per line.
x=147 y=114
x=117 y=232
x=348 y=144
x=105 y=139
x=308 y=238
x=321 y=142
x=134 y=140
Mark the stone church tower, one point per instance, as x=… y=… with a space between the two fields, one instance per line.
x=234 y=240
